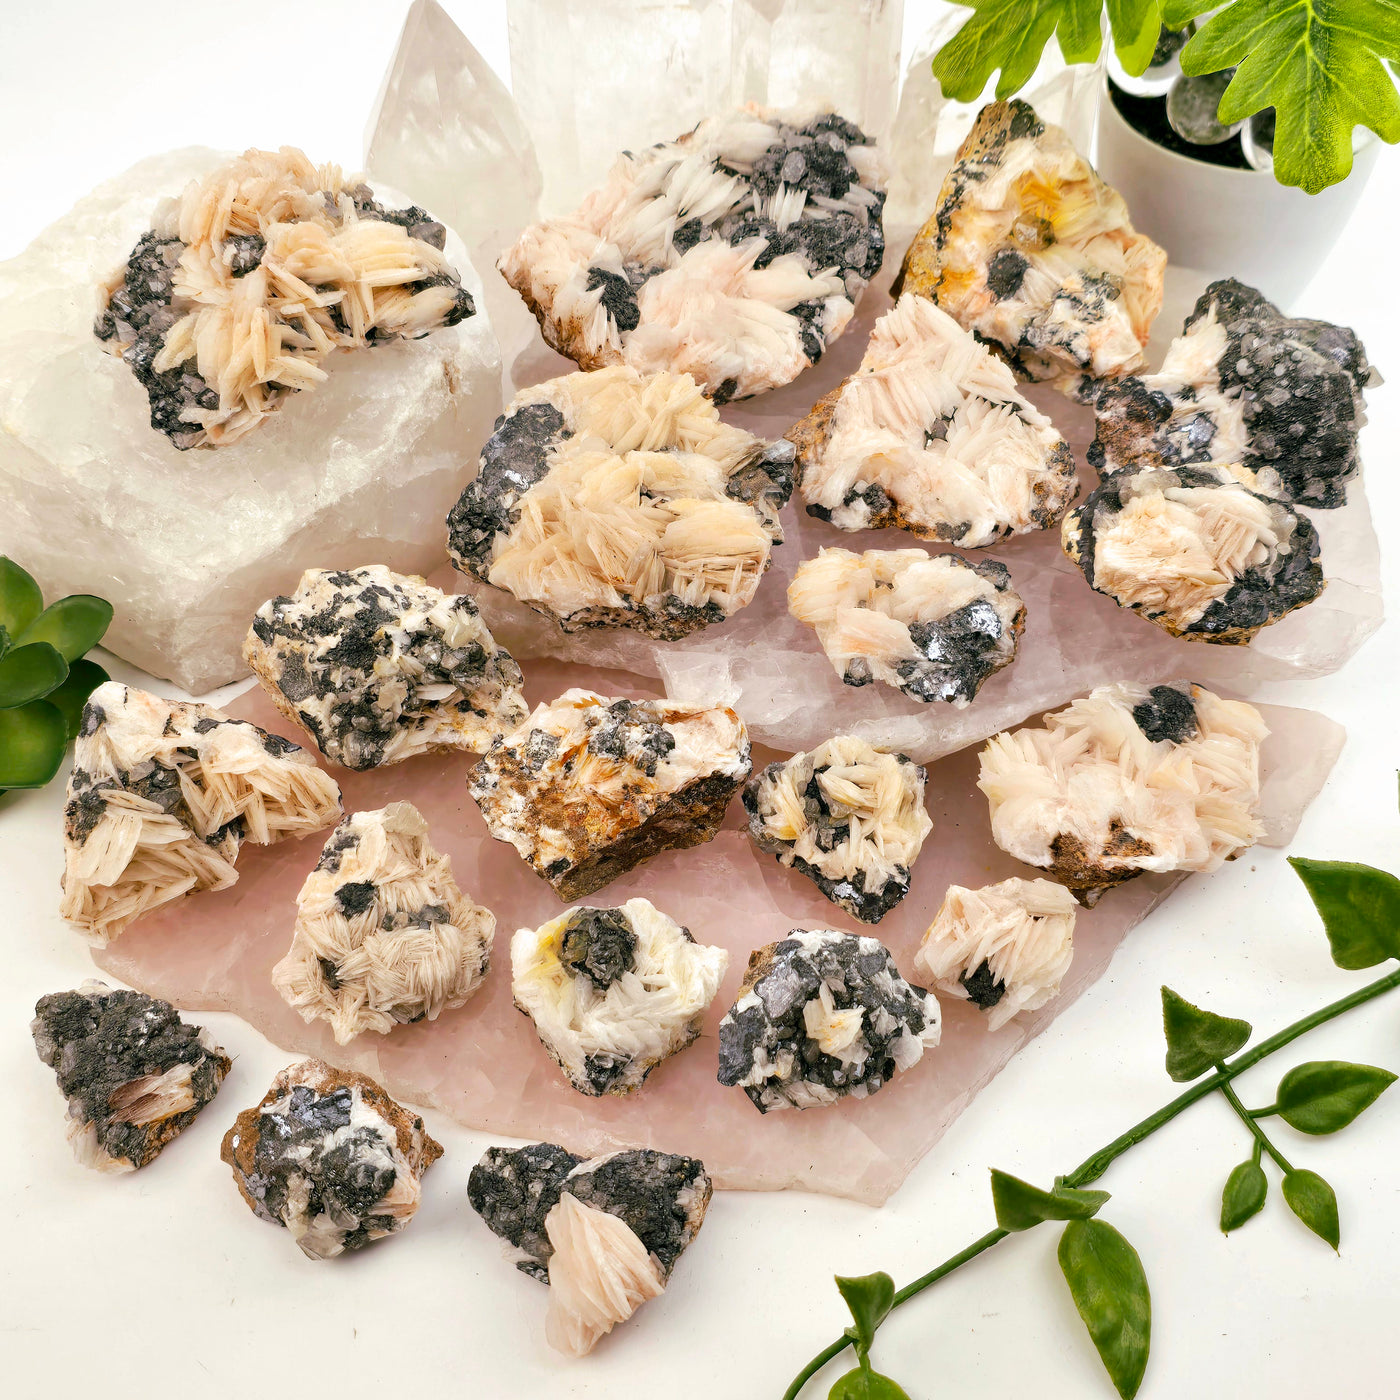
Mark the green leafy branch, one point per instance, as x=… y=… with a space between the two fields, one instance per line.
x=44 y=682
x=1321 y=64
x=1360 y=909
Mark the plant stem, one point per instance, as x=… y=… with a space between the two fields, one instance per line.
x=1094 y=1167
x=1260 y=1141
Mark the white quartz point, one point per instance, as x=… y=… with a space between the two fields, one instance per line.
x=187 y=547
x=446 y=130
x=599 y=1274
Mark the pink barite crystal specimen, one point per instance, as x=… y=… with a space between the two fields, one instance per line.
x=483 y=1064
x=772 y=669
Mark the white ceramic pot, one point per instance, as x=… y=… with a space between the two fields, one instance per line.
x=1227 y=223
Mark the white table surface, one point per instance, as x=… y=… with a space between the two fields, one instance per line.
x=163 y=1281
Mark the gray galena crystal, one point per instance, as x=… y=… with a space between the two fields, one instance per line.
x=1243 y=383
x=330 y=1156
x=661 y=1196
x=822 y=1016
x=134 y=1074
x=377 y=667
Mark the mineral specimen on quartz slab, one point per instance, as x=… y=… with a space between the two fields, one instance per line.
x=929 y=128
x=376 y=666
x=647 y=70
x=187 y=546
x=1028 y=248
x=328 y=1155
x=162 y=797
x=614 y=992
x=772 y=668
x=384 y=935
x=587 y=786
x=446 y=131
x=134 y=1074
x=604 y=1234
x=483 y=1065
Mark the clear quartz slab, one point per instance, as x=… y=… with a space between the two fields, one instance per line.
x=773 y=670
x=928 y=127
x=483 y=1065
x=186 y=545
x=447 y=132
x=612 y=75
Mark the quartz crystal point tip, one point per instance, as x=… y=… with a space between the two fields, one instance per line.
x=735 y=253
x=823 y=1016
x=134 y=1074
x=383 y=934
x=1030 y=250
x=588 y=787
x=162 y=795
x=1127 y=780
x=378 y=667
x=331 y=1157
x=614 y=992
x=850 y=818
x=616 y=499
x=604 y=1233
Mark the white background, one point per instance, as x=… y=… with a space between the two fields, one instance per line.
x=163 y=1281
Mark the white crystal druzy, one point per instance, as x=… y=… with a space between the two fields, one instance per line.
x=186 y=545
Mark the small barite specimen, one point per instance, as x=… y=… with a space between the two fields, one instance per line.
x=932 y=435
x=617 y=499
x=1128 y=779
x=735 y=253
x=614 y=992
x=1004 y=947
x=588 y=787
x=823 y=1016
x=933 y=626
x=1034 y=254
x=162 y=795
x=850 y=818
x=1244 y=383
x=134 y=1074
x=1197 y=550
x=247 y=281
x=383 y=935
x=330 y=1156
x=378 y=667
x=604 y=1233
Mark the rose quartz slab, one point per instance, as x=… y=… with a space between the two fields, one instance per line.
x=772 y=669
x=482 y=1063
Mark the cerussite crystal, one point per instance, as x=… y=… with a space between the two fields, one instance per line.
x=588 y=787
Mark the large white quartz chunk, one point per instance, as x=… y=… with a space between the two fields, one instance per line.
x=446 y=131
x=610 y=75
x=187 y=546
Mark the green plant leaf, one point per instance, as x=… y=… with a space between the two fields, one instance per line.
x=1360 y=908
x=1177 y=14
x=870 y=1298
x=1314 y=1202
x=29 y=673
x=1325 y=1095
x=1320 y=63
x=1197 y=1040
x=1136 y=25
x=33 y=740
x=1019 y=1205
x=865 y=1384
x=1243 y=1197
x=1109 y=1288
x=73 y=625
x=83 y=678
x=20 y=599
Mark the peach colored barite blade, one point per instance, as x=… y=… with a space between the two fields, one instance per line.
x=482 y=1063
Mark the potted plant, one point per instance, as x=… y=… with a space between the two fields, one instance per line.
x=1270 y=164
